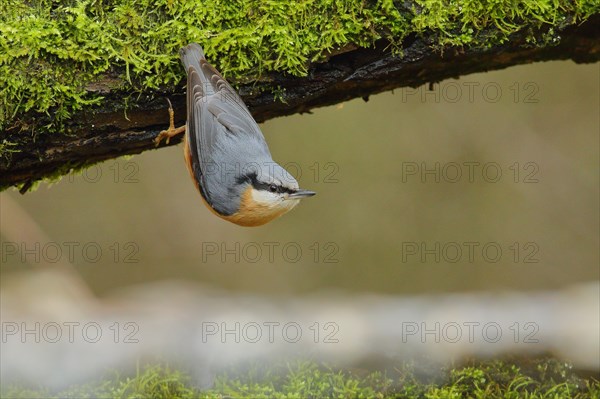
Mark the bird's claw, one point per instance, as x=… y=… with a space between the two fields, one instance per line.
x=171 y=131
x=161 y=136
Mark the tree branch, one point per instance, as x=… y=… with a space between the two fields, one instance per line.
x=118 y=129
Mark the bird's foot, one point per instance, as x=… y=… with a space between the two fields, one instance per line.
x=171 y=131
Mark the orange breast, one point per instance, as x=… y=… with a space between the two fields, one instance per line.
x=252 y=213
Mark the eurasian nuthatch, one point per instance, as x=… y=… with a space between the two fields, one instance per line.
x=226 y=152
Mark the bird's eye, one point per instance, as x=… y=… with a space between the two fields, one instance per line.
x=273 y=188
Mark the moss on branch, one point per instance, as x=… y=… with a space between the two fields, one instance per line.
x=53 y=53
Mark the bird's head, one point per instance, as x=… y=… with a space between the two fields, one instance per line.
x=266 y=192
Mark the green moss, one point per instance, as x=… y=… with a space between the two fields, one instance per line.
x=493 y=379
x=50 y=50
x=7 y=148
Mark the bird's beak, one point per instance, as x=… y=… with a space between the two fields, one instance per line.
x=301 y=194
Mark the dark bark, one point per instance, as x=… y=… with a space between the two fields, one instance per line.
x=109 y=132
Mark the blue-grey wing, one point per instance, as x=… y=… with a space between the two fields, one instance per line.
x=222 y=135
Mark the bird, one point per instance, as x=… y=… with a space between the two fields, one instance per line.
x=225 y=151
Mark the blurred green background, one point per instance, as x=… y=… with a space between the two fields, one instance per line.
x=540 y=120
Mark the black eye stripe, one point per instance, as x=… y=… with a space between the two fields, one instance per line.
x=253 y=179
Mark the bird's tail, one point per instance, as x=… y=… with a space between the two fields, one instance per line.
x=192 y=56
